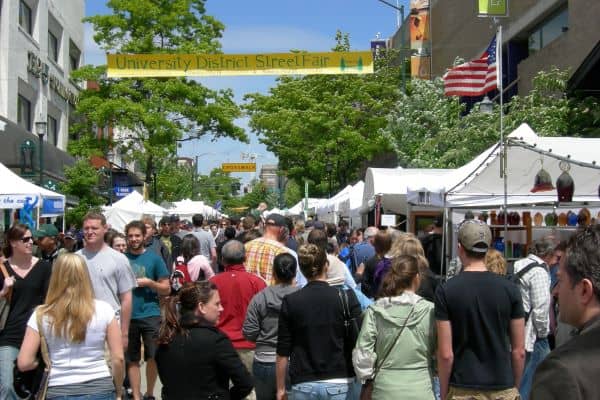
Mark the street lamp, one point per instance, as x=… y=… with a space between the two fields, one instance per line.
x=40 y=130
x=486 y=106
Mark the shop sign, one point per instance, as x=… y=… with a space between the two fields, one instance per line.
x=40 y=69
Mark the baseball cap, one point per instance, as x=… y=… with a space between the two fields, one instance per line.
x=174 y=218
x=276 y=220
x=474 y=235
x=45 y=230
x=319 y=225
x=71 y=234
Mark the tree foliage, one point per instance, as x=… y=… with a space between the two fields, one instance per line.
x=81 y=181
x=430 y=130
x=153 y=112
x=306 y=121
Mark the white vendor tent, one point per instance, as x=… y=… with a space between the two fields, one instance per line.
x=129 y=208
x=298 y=208
x=15 y=190
x=187 y=208
x=326 y=211
x=479 y=184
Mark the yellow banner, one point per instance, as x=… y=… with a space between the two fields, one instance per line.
x=170 y=65
x=238 y=167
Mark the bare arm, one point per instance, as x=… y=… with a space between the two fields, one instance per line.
x=125 y=316
x=213 y=254
x=161 y=286
x=517 y=342
x=281 y=366
x=445 y=355
x=115 y=346
x=27 y=358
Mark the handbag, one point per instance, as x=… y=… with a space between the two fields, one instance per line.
x=33 y=385
x=351 y=324
x=366 y=391
x=5 y=301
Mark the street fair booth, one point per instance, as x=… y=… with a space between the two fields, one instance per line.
x=349 y=208
x=550 y=187
x=303 y=205
x=327 y=211
x=187 y=208
x=129 y=208
x=31 y=201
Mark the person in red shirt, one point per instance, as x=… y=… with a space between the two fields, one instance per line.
x=236 y=289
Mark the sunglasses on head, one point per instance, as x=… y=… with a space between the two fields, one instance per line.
x=27 y=239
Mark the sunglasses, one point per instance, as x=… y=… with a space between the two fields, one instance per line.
x=27 y=239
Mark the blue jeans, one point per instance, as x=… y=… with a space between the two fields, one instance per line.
x=8 y=355
x=541 y=349
x=97 y=396
x=325 y=391
x=264 y=380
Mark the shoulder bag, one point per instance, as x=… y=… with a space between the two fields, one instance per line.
x=33 y=385
x=5 y=301
x=366 y=392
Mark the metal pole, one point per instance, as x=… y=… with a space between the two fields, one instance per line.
x=194 y=172
x=41 y=178
x=112 y=188
x=402 y=52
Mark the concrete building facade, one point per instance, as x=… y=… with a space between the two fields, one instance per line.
x=42 y=43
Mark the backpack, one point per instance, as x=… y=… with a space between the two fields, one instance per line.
x=179 y=277
x=515 y=278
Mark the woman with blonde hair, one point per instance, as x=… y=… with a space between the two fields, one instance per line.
x=76 y=328
x=396 y=345
x=495 y=262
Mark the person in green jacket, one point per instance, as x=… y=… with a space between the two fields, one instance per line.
x=408 y=368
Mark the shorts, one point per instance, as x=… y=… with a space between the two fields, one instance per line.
x=457 y=393
x=145 y=329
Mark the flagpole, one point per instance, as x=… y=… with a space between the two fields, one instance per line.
x=504 y=154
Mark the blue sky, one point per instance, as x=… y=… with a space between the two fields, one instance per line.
x=270 y=26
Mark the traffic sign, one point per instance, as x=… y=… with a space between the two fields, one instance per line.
x=238 y=167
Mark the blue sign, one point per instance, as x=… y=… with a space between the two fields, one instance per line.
x=53 y=206
x=218 y=205
x=122 y=191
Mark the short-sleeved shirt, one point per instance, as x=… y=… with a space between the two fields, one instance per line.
x=206 y=240
x=78 y=362
x=145 y=300
x=110 y=273
x=480 y=307
x=260 y=254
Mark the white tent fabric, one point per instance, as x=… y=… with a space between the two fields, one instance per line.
x=298 y=208
x=350 y=206
x=187 y=208
x=130 y=208
x=478 y=183
x=14 y=191
x=391 y=185
x=326 y=211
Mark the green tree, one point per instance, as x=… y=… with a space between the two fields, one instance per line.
x=430 y=130
x=82 y=181
x=218 y=185
x=293 y=193
x=154 y=112
x=259 y=193
x=174 y=182
x=309 y=120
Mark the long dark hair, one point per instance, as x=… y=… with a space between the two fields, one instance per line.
x=400 y=276
x=190 y=247
x=15 y=232
x=179 y=310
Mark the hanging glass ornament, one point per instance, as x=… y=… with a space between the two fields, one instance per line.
x=565 y=186
x=542 y=181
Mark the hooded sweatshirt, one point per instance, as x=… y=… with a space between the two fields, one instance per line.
x=261 y=321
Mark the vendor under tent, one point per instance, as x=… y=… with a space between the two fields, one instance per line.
x=478 y=185
x=129 y=208
x=186 y=209
x=19 y=193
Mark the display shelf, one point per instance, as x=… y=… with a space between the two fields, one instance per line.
x=509 y=227
x=557 y=227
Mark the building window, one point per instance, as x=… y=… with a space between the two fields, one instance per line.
x=25 y=17
x=74 y=56
x=52 y=47
x=52 y=130
x=24 y=112
x=549 y=30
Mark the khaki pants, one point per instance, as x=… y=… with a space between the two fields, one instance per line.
x=455 y=393
x=247 y=357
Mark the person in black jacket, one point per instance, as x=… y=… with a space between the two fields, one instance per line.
x=195 y=360
x=312 y=334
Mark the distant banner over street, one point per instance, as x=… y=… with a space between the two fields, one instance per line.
x=238 y=167
x=170 y=65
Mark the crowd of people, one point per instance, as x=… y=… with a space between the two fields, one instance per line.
x=273 y=308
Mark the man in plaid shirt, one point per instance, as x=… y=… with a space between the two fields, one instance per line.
x=261 y=252
x=535 y=292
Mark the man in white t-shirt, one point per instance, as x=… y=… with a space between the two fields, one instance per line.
x=110 y=272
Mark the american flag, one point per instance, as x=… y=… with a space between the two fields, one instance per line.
x=473 y=78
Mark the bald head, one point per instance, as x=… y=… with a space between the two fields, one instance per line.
x=233 y=253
